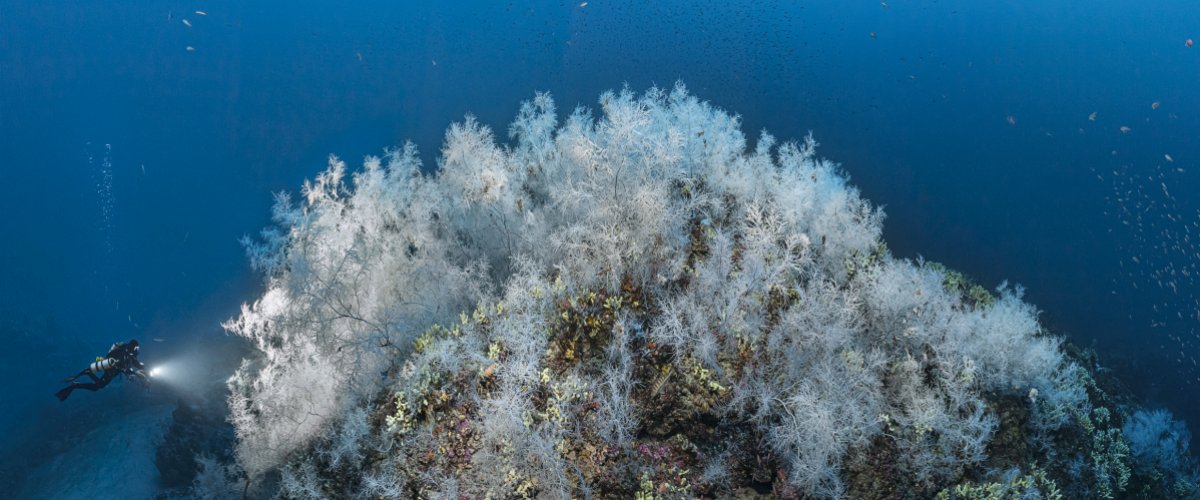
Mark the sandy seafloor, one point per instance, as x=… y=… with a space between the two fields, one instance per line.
x=114 y=460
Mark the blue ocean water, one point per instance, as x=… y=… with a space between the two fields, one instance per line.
x=132 y=165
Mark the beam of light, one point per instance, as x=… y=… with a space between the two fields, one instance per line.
x=156 y=371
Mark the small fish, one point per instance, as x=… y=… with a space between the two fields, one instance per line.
x=1012 y=120
x=884 y=4
x=187 y=23
x=359 y=54
x=1092 y=117
x=201 y=13
x=191 y=49
x=1168 y=157
x=158 y=339
x=434 y=61
x=583 y=4
x=871 y=34
x=1124 y=129
x=143 y=169
x=1154 y=105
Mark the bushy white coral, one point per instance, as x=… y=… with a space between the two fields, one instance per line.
x=1157 y=439
x=765 y=255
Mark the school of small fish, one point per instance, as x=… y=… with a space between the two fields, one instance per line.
x=1155 y=233
x=186 y=22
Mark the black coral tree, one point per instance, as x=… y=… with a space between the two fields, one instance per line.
x=635 y=305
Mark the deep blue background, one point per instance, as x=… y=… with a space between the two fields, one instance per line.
x=913 y=98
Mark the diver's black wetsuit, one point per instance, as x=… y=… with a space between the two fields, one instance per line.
x=126 y=362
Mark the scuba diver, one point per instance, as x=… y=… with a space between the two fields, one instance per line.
x=120 y=360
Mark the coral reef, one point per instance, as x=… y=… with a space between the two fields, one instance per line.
x=641 y=306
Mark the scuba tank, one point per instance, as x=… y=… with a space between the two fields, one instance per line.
x=102 y=365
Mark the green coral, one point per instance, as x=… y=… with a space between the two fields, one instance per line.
x=1109 y=453
x=1035 y=484
x=966 y=288
x=858 y=261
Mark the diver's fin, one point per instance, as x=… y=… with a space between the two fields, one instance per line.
x=62 y=395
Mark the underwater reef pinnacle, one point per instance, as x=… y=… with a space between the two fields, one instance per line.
x=641 y=305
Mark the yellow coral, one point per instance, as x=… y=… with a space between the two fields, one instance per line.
x=494 y=350
x=400 y=422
